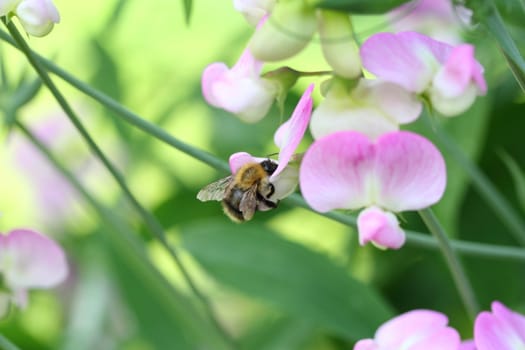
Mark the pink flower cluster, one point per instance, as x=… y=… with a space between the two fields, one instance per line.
x=360 y=159
x=28 y=260
x=38 y=17
x=501 y=329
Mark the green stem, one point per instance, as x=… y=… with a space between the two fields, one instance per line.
x=413 y=238
x=458 y=273
x=486 y=189
x=151 y=222
x=6 y=344
x=131 y=248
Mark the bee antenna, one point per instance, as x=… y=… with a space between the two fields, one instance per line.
x=271 y=155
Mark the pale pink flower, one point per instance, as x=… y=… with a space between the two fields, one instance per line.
x=449 y=75
x=29 y=260
x=501 y=329
x=413 y=330
x=254 y=10
x=373 y=108
x=399 y=171
x=439 y=19
x=239 y=90
x=37 y=16
x=287 y=138
x=467 y=345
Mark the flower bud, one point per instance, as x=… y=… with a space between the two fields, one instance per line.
x=339 y=48
x=37 y=16
x=286 y=32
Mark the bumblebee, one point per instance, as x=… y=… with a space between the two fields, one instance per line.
x=241 y=194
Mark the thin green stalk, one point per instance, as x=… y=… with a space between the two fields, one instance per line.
x=5 y=344
x=413 y=238
x=509 y=217
x=107 y=216
x=151 y=222
x=458 y=273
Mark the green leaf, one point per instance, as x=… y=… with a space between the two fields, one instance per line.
x=166 y=317
x=497 y=28
x=281 y=333
x=188 y=7
x=296 y=280
x=364 y=7
x=518 y=176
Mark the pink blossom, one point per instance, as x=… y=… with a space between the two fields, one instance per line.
x=399 y=171
x=287 y=138
x=373 y=108
x=29 y=260
x=439 y=19
x=501 y=329
x=414 y=330
x=37 y=16
x=239 y=90
x=449 y=75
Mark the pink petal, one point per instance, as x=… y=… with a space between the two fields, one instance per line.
x=335 y=171
x=366 y=344
x=411 y=172
x=513 y=319
x=380 y=227
x=467 y=345
x=454 y=77
x=211 y=74
x=490 y=333
x=410 y=327
x=237 y=160
x=407 y=58
x=31 y=260
x=290 y=134
x=439 y=339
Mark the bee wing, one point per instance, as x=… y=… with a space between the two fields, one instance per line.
x=248 y=203
x=214 y=191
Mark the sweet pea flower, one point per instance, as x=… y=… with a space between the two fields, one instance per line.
x=398 y=171
x=254 y=10
x=239 y=90
x=28 y=260
x=449 y=76
x=501 y=329
x=287 y=31
x=37 y=16
x=373 y=108
x=439 y=19
x=414 y=330
x=287 y=138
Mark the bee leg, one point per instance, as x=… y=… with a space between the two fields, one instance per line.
x=272 y=190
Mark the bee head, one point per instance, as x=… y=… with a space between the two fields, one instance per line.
x=269 y=166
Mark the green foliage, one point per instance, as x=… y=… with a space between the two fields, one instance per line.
x=363 y=7
x=296 y=280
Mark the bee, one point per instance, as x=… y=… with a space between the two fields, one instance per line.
x=244 y=192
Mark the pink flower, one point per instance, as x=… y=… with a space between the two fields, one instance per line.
x=414 y=330
x=439 y=19
x=399 y=171
x=254 y=10
x=449 y=75
x=501 y=329
x=287 y=138
x=37 y=16
x=29 y=260
x=373 y=108
x=239 y=90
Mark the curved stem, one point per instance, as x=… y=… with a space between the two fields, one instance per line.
x=151 y=222
x=413 y=238
x=6 y=344
x=458 y=273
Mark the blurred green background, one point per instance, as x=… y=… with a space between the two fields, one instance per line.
x=289 y=279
